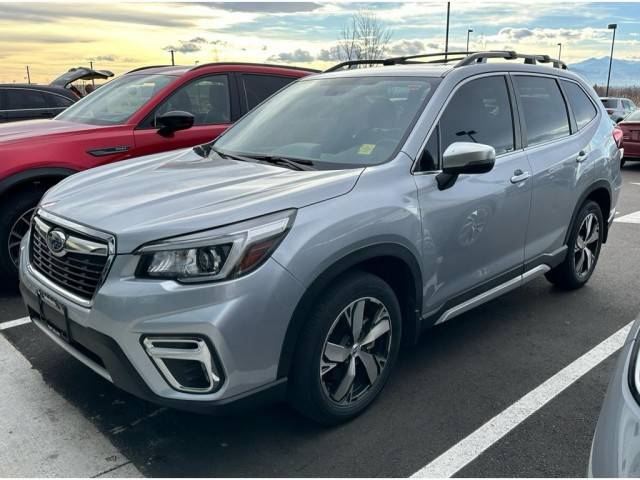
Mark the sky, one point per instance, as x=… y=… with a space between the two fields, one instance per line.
x=53 y=37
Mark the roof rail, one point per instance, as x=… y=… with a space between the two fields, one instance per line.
x=145 y=68
x=290 y=67
x=462 y=59
x=529 y=59
x=397 y=60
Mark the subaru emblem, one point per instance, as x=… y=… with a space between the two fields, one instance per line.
x=56 y=240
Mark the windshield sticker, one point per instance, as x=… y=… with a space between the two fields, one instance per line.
x=366 y=149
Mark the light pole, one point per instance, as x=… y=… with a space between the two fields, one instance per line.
x=469 y=31
x=28 y=76
x=93 y=81
x=446 y=37
x=172 y=60
x=559 y=50
x=611 y=26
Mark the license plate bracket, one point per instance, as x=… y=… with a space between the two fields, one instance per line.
x=54 y=315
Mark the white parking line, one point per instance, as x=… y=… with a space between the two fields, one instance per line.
x=629 y=218
x=14 y=323
x=41 y=434
x=471 y=447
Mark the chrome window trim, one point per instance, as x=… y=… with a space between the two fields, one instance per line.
x=109 y=239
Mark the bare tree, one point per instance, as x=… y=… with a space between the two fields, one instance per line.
x=363 y=38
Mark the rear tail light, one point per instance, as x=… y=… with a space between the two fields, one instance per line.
x=617 y=136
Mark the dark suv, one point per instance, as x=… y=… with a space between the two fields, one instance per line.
x=148 y=110
x=28 y=102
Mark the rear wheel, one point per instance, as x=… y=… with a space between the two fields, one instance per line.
x=584 y=245
x=15 y=219
x=347 y=349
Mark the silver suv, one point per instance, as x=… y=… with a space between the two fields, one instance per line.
x=334 y=223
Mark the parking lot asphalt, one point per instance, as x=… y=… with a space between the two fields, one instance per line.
x=460 y=375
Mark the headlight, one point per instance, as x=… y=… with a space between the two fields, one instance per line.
x=218 y=254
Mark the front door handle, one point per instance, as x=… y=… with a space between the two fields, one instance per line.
x=582 y=156
x=519 y=176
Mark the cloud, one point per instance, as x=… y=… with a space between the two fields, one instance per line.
x=331 y=54
x=105 y=58
x=298 y=55
x=267 y=7
x=410 y=47
x=548 y=35
x=45 y=13
x=198 y=40
x=48 y=38
x=184 y=47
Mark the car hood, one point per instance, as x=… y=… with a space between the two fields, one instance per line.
x=36 y=129
x=179 y=192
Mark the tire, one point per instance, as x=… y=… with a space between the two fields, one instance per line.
x=582 y=257
x=317 y=382
x=14 y=217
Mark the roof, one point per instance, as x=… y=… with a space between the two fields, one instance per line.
x=182 y=69
x=45 y=88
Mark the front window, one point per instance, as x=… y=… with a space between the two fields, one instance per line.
x=115 y=102
x=332 y=122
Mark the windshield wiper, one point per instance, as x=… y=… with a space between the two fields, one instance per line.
x=295 y=163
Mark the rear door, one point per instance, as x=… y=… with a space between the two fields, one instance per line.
x=3 y=106
x=559 y=156
x=208 y=98
x=474 y=232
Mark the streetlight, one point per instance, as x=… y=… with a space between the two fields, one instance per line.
x=611 y=26
x=469 y=30
x=559 y=50
x=446 y=38
x=172 y=60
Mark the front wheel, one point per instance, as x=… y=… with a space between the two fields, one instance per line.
x=347 y=349
x=584 y=247
x=15 y=219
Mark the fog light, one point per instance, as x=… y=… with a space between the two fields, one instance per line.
x=186 y=363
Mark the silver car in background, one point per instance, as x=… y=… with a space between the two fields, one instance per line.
x=618 y=108
x=616 y=445
x=293 y=257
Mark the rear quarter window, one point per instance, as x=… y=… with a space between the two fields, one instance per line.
x=583 y=109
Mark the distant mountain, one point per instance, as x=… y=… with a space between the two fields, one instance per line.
x=624 y=73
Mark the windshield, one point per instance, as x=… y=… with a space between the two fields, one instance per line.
x=610 y=102
x=116 y=101
x=341 y=122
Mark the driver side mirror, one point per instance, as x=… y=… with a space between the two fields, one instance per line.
x=173 y=121
x=465 y=158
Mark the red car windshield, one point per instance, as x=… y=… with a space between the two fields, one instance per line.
x=115 y=102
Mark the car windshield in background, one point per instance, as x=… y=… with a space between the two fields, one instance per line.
x=338 y=122
x=610 y=102
x=116 y=101
x=633 y=117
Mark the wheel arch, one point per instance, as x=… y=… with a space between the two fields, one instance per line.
x=599 y=192
x=48 y=176
x=393 y=262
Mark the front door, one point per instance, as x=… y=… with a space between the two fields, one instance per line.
x=474 y=231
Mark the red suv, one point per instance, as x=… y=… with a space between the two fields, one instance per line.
x=146 y=111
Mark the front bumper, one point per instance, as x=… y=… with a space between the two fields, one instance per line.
x=615 y=451
x=244 y=320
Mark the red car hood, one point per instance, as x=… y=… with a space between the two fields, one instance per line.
x=17 y=131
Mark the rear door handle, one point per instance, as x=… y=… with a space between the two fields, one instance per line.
x=519 y=176
x=582 y=156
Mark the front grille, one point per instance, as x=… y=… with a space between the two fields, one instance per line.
x=76 y=272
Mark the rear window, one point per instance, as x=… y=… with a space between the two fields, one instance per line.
x=257 y=88
x=610 y=102
x=545 y=113
x=582 y=108
x=22 y=99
